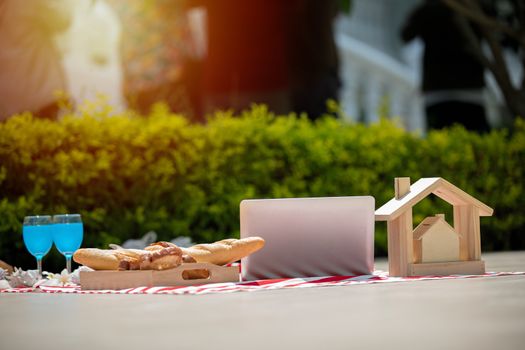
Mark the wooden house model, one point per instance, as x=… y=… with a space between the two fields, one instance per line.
x=434 y=247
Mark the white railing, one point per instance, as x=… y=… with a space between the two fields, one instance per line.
x=371 y=79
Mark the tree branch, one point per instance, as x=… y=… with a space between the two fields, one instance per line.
x=483 y=20
x=496 y=64
x=495 y=47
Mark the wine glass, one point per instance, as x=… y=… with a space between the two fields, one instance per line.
x=38 y=239
x=67 y=234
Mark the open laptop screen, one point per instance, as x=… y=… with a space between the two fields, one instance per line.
x=309 y=237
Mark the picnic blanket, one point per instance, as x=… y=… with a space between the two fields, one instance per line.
x=259 y=285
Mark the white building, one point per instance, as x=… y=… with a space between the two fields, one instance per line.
x=377 y=69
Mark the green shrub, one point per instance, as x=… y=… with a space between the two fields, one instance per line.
x=127 y=174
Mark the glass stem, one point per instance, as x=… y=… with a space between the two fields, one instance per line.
x=68 y=263
x=39 y=266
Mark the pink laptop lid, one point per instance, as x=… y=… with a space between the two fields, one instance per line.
x=309 y=237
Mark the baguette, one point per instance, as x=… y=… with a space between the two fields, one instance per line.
x=225 y=251
x=97 y=259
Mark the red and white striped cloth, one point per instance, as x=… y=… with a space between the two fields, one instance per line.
x=253 y=286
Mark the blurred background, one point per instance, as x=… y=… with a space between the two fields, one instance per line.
x=163 y=114
x=294 y=55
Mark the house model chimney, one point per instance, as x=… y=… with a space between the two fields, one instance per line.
x=401 y=186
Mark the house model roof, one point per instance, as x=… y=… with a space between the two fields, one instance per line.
x=427 y=224
x=421 y=189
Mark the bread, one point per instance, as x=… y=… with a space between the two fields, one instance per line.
x=98 y=259
x=166 y=255
x=159 y=246
x=191 y=274
x=161 y=259
x=225 y=251
x=129 y=259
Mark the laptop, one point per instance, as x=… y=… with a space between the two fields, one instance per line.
x=309 y=237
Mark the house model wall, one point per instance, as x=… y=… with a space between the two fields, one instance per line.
x=398 y=214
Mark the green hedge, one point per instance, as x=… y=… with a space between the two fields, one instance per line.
x=128 y=174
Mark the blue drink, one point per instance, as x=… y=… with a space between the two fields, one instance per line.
x=38 y=239
x=67 y=234
x=68 y=237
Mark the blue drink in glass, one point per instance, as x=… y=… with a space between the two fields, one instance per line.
x=38 y=239
x=68 y=237
x=68 y=234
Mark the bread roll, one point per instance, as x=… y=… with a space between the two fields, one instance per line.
x=225 y=251
x=159 y=246
x=161 y=259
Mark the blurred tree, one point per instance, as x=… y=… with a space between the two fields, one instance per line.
x=501 y=24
